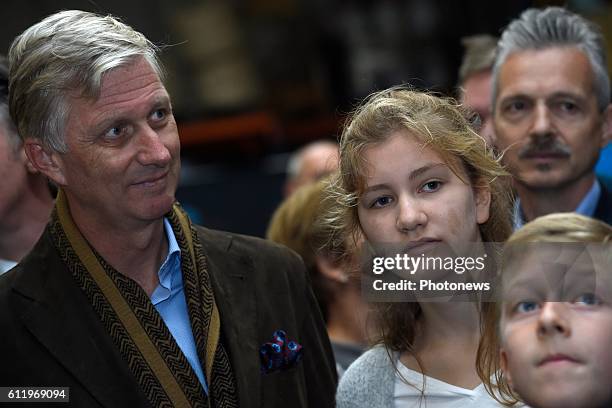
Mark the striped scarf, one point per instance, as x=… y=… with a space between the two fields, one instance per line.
x=136 y=328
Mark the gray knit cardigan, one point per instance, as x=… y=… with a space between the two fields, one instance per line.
x=369 y=382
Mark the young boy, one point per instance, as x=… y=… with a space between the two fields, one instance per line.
x=555 y=319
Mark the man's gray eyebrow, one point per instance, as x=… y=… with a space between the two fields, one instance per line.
x=156 y=102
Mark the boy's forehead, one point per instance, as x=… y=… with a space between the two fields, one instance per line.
x=557 y=269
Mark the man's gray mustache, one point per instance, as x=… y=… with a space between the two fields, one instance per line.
x=552 y=149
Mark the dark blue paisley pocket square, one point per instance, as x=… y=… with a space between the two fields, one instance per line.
x=280 y=353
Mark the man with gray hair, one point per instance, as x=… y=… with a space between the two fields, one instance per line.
x=123 y=300
x=25 y=197
x=552 y=113
x=475 y=78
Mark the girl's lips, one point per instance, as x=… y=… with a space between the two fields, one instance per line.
x=557 y=358
x=421 y=244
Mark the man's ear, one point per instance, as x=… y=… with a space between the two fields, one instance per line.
x=503 y=359
x=45 y=161
x=26 y=162
x=606 y=136
x=482 y=200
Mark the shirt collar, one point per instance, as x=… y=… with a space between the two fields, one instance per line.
x=587 y=206
x=165 y=271
x=5 y=265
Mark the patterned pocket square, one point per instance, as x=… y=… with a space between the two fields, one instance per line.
x=280 y=353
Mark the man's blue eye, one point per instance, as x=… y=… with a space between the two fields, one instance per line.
x=159 y=114
x=568 y=106
x=526 y=307
x=517 y=106
x=114 y=132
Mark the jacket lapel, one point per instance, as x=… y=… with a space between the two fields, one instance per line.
x=230 y=275
x=58 y=314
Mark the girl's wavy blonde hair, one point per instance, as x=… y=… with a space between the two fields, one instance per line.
x=560 y=227
x=440 y=124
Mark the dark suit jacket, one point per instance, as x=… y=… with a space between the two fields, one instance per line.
x=51 y=336
x=604 y=206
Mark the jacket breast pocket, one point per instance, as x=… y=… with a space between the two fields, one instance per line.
x=286 y=387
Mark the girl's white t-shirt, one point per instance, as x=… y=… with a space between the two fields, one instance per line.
x=438 y=393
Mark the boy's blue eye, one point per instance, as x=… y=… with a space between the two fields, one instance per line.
x=526 y=307
x=588 y=299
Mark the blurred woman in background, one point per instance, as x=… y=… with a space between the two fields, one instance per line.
x=332 y=268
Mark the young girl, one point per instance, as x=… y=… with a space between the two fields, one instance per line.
x=414 y=173
x=548 y=340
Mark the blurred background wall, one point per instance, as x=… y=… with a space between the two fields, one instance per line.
x=252 y=80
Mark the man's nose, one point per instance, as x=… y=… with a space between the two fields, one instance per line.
x=152 y=150
x=542 y=124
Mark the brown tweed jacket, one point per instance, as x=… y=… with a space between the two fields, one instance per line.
x=51 y=336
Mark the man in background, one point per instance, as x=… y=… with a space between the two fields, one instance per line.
x=475 y=78
x=552 y=113
x=310 y=163
x=25 y=196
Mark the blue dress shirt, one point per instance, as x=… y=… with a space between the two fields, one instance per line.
x=604 y=165
x=587 y=206
x=169 y=300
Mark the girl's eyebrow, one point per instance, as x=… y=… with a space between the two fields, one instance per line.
x=413 y=175
x=417 y=172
